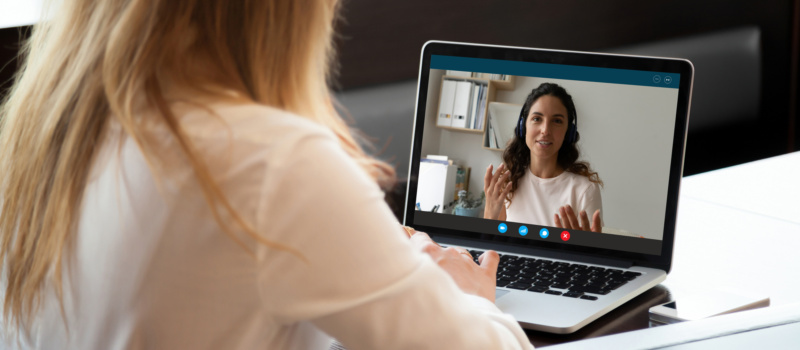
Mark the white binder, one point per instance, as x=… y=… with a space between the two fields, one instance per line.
x=474 y=106
x=461 y=104
x=446 y=99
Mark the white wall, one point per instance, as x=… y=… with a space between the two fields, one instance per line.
x=431 y=137
x=626 y=136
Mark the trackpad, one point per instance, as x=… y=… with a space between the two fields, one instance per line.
x=499 y=293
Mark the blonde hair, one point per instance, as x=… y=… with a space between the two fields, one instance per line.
x=94 y=61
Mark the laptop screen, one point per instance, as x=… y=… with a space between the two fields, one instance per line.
x=591 y=148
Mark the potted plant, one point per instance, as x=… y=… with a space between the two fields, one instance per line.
x=468 y=205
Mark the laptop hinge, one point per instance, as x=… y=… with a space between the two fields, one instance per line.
x=545 y=253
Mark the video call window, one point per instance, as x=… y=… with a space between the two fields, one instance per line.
x=609 y=146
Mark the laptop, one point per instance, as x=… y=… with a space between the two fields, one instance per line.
x=629 y=125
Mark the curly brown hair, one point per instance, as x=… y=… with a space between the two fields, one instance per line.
x=517 y=155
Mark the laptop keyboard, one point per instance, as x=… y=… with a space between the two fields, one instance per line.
x=558 y=278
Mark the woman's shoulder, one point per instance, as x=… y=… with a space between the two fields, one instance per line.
x=248 y=122
x=247 y=137
x=580 y=181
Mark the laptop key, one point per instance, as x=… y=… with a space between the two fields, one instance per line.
x=553 y=292
x=504 y=257
x=561 y=279
x=542 y=283
x=630 y=275
x=594 y=286
x=615 y=285
x=512 y=276
x=503 y=283
x=588 y=297
x=521 y=286
x=592 y=290
x=573 y=294
x=537 y=289
x=526 y=280
x=617 y=278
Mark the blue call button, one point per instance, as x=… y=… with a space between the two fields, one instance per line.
x=544 y=233
x=502 y=228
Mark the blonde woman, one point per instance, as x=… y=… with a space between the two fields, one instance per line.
x=175 y=177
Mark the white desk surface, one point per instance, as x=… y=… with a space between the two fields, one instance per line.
x=15 y=13
x=739 y=228
x=768 y=187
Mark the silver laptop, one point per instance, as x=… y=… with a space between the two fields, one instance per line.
x=626 y=117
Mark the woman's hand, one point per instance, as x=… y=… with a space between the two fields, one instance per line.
x=472 y=278
x=569 y=221
x=496 y=186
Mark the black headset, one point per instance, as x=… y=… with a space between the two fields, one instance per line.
x=572 y=128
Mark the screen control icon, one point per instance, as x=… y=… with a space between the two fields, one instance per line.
x=544 y=233
x=502 y=228
x=656 y=78
x=667 y=79
x=523 y=230
x=565 y=236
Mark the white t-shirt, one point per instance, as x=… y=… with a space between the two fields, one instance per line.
x=151 y=269
x=537 y=200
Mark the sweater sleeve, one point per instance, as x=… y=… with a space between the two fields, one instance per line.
x=359 y=279
x=592 y=201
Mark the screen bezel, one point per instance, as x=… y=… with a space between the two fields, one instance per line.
x=655 y=64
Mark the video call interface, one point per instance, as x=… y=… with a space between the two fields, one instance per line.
x=564 y=154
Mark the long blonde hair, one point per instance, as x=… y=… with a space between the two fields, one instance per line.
x=93 y=61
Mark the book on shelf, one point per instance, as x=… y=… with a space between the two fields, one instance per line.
x=461 y=104
x=475 y=105
x=490 y=133
x=495 y=131
x=482 y=107
x=445 y=117
x=458 y=73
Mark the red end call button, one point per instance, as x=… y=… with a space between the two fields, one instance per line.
x=565 y=236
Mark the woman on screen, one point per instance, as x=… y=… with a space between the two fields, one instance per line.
x=541 y=180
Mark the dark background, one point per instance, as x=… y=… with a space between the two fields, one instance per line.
x=379 y=43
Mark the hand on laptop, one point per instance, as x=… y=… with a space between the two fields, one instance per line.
x=472 y=278
x=496 y=186
x=570 y=221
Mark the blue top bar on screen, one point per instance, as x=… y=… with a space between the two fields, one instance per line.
x=557 y=71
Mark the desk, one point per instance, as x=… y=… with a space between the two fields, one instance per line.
x=738 y=228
